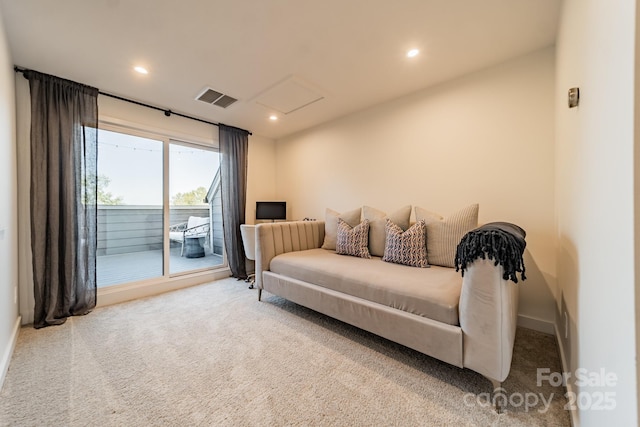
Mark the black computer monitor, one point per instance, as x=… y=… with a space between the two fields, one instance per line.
x=271 y=210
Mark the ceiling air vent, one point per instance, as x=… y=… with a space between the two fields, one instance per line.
x=214 y=97
x=224 y=101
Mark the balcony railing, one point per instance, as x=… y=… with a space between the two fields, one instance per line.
x=130 y=241
x=126 y=229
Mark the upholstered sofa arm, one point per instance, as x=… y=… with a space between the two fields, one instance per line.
x=280 y=237
x=488 y=317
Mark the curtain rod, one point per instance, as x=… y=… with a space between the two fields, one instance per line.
x=166 y=111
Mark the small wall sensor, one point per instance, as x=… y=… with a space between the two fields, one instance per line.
x=574 y=97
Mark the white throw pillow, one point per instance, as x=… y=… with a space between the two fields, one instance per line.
x=444 y=234
x=331 y=225
x=377 y=219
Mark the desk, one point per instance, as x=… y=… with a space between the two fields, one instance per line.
x=193 y=248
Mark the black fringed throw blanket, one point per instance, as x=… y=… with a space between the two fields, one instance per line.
x=501 y=241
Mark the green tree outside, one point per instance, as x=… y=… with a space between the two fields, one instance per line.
x=193 y=197
x=104 y=197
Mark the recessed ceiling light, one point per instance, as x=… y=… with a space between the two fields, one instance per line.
x=273 y=118
x=412 y=53
x=141 y=70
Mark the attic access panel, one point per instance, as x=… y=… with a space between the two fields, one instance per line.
x=288 y=96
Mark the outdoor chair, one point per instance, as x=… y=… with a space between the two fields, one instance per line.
x=194 y=228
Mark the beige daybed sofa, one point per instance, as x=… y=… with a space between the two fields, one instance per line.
x=468 y=322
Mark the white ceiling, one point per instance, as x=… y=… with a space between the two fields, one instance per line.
x=349 y=52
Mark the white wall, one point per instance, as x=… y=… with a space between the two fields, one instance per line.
x=261 y=175
x=25 y=271
x=487 y=137
x=595 y=199
x=9 y=321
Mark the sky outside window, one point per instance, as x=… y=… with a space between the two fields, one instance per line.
x=191 y=171
x=132 y=166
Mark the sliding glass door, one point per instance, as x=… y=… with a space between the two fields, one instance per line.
x=142 y=181
x=195 y=212
x=130 y=214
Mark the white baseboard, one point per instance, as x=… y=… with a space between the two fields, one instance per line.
x=6 y=357
x=536 y=324
x=27 y=318
x=121 y=293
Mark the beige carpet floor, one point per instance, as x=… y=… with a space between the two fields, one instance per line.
x=212 y=355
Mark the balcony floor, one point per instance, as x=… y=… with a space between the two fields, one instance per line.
x=134 y=266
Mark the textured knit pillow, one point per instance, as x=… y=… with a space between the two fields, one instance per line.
x=353 y=240
x=406 y=247
x=444 y=234
x=377 y=224
x=331 y=225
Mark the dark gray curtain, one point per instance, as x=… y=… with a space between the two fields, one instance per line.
x=234 y=146
x=64 y=120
